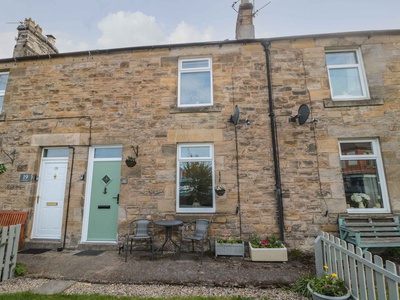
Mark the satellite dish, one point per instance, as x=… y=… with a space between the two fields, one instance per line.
x=302 y=115
x=235 y=117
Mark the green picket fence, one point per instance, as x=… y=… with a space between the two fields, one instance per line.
x=366 y=276
x=9 y=238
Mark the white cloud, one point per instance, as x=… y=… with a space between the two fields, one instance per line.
x=127 y=29
x=184 y=33
x=7 y=42
x=124 y=29
x=67 y=45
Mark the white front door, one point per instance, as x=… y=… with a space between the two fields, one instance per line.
x=50 y=196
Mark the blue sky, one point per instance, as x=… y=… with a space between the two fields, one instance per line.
x=104 y=24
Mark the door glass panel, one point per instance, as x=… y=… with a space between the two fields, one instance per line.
x=56 y=152
x=108 y=153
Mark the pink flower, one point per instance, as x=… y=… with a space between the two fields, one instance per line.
x=264 y=243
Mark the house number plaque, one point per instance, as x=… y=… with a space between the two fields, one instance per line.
x=25 y=178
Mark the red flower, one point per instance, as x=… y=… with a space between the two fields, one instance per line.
x=264 y=243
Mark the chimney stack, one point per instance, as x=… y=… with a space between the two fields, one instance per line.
x=244 y=23
x=31 y=41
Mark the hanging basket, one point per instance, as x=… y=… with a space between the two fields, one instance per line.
x=220 y=192
x=130 y=162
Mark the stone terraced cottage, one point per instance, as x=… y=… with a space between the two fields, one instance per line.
x=69 y=120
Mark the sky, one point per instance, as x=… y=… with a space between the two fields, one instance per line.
x=106 y=24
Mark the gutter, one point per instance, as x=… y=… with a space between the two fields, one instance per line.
x=274 y=139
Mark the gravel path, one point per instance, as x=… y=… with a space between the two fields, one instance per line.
x=161 y=291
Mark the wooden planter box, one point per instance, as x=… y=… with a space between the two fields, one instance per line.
x=229 y=249
x=268 y=254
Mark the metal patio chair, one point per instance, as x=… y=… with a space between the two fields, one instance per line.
x=196 y=232
x=140 y=234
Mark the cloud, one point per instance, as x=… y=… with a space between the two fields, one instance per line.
x=7 y=43
x=129 y=29
x=124 y=29
x=65 y=44
x=184 y=33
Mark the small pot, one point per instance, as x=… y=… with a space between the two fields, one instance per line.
x=130 y=163
x=220 y=192
x=317 y=296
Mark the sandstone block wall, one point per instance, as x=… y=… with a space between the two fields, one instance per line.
x=130 y=98
x=311 y=171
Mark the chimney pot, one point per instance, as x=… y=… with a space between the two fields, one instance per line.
x=51 y=39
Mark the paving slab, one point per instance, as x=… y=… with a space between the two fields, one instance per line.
x=54 y=287
x=187 y=269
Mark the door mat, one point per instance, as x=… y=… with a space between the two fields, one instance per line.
x=89 y=253
x=34 y=251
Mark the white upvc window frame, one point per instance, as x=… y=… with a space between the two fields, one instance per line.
x=361 y=73
x=181 y=159
x=182 y=70
x=375 y=155
x=2 y=92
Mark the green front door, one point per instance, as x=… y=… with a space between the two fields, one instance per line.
x=103 y=215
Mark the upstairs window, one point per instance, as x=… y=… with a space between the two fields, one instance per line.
x=195 y=82
x=346 y=75
x=3 y=84
x=195 y=178
x=363 y=176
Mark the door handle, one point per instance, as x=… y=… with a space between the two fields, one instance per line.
x=117 y=198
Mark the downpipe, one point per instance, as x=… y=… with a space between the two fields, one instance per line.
x=274 y=139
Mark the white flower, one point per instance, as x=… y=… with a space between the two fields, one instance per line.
x=358 y=197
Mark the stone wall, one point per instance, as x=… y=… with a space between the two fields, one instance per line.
x=131 y=97
x=309 y=154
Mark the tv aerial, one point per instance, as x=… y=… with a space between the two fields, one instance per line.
x=255 y=11
x=235 y=117
x=302 y=115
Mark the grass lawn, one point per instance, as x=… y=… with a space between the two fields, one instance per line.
x=31 y=296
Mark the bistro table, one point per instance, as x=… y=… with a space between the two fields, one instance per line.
x=168 y=224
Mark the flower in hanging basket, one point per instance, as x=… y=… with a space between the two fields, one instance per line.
x=219 y=190
x=130 y=161
x=3 y=168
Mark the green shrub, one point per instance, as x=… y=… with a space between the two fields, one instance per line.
x=300 y=286
x=20 y=269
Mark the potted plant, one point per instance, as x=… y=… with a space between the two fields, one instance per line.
x=328 y=286
x=361 y=199
x=3 y=168
x=268 y=249
x=130 y=161
x=229 y=246
x=219 y=190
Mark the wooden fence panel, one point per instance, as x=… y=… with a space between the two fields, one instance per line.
x=365 y=275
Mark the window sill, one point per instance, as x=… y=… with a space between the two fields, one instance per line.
x=196 y=109
x=367 y=211
x=329 y=103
